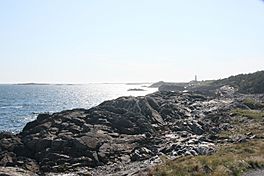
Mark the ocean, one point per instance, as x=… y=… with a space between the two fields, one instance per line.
x=20 y=104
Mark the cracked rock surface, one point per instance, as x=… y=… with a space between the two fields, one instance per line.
x=125 y=136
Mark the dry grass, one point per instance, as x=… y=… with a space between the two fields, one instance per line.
x=230 y=159
x=244 y=122
x=251 y=114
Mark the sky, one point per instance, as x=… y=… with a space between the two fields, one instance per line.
x=95 y=41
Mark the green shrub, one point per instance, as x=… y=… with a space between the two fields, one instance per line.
x=253 y=104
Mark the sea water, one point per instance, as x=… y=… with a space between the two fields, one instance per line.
x=20 y=104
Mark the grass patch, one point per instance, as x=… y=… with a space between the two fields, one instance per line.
x=253 y=104
x=252 y=114
x=245 y=122
x=229 y=160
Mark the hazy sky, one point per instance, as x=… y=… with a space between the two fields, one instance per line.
x=82 y=41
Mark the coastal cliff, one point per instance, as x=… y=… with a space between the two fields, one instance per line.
x=133 y=135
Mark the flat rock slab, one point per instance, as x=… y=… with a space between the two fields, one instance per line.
x=255 y=173
x=14 y=171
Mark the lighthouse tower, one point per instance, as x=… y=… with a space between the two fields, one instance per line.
x=195 y=78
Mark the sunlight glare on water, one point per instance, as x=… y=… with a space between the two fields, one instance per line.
x=20 y=104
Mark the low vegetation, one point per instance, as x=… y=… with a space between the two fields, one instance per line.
x=230 y=159
x=245 y=83
x=251 y=114
x=253 y=104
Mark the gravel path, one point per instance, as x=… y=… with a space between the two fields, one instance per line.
x=255 y=173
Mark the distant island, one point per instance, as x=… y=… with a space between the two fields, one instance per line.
x=136 y=89
x=32 y=84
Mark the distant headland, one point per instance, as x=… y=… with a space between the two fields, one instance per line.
x=133 y=135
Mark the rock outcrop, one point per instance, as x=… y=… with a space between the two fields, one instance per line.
x=122 y=136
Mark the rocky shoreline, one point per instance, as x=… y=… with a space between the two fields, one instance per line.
x=125 y=136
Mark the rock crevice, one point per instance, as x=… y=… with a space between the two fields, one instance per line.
x=128 y=132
